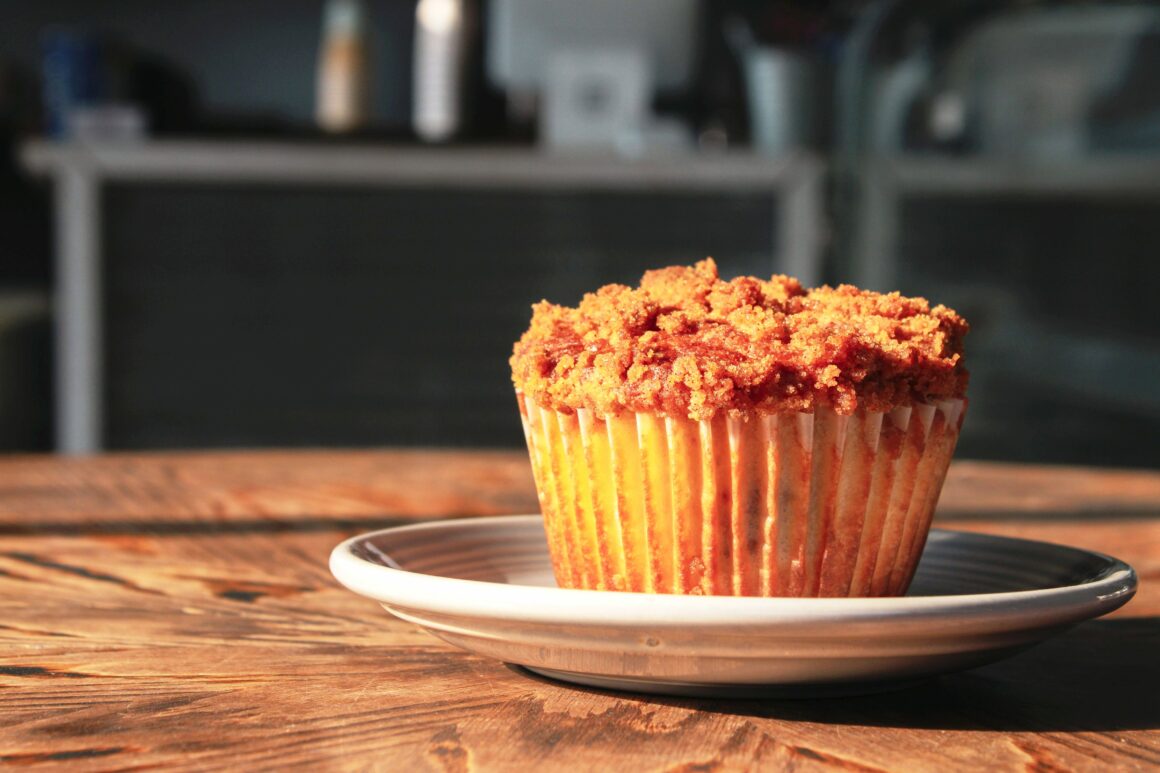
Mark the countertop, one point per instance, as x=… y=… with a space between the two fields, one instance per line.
x=175 y=610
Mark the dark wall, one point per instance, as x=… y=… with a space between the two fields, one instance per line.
x=1064 y=349
x=262 y=315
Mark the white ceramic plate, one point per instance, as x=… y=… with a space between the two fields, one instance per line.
x=485 y=584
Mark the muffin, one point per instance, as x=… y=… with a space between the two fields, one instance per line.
x=744 y=438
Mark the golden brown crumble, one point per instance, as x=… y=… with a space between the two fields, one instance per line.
x=686 y=343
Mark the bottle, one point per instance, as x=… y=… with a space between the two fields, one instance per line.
x=442 y=35
x=342 y=88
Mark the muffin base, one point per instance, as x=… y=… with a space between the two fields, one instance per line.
x=783 y=504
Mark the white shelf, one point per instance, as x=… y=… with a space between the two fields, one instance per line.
x=79 y=172
x=1111 y=174
x=474 y=167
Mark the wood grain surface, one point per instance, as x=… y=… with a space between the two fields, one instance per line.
x=175 y=611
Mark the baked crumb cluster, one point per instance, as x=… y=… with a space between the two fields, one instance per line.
x=686 y=343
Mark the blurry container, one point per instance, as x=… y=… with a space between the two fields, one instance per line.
x=342 y=87
x=595 y=98
x=71 y=65
x=778 y=85
x=442 y=36
x=106 y=123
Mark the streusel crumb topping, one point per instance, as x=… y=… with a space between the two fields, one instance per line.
x=686 y=343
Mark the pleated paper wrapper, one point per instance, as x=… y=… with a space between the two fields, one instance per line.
x=781 y=504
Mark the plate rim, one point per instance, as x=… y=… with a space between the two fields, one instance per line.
x=534 y=604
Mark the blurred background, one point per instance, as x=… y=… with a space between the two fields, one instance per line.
x=322 y=222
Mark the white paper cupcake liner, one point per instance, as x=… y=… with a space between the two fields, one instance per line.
x=785 y=504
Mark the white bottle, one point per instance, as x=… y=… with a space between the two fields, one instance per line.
x=342 y=87
x=442 y=28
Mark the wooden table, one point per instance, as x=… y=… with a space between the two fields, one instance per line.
x=176 y=610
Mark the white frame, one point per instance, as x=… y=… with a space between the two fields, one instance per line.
x=886 y=181
x=80 y=170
